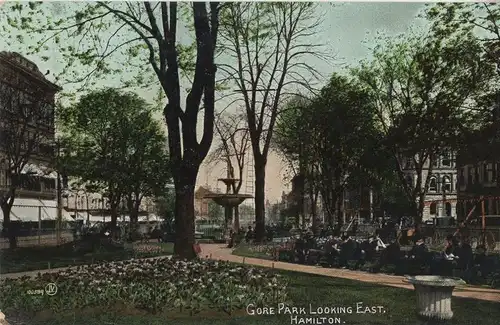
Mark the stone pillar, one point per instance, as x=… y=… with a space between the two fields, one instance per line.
x=434 y=302
x=434 y=296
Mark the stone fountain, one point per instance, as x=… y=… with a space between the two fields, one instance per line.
x=229 y=200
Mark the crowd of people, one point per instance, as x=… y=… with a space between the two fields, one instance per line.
x=332 y=247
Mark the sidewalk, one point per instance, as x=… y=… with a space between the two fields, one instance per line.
x=221 y=252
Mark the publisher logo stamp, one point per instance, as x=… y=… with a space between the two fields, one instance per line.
x=51 y=289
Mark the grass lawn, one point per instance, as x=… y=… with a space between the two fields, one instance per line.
x=25 y=259
x=304 y=289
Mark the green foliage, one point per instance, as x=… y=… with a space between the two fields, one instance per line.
x=334 y=136
x=424 y=90
x=165 y=206
x=111 y=140
x=92 y=42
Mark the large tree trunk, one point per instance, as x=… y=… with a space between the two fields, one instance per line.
x=314 y=202
x=9 y=231
x=184 y=213
x=236 y=225
x=260 y=197
x=419 y=209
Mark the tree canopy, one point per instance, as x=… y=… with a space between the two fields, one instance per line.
x=112 y=142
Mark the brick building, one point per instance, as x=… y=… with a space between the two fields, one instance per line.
x=478 y=166
x=441 y=198
x=27 y=100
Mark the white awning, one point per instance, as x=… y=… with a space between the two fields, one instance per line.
x=34 y=210
x=39 y=170
x=32 y=169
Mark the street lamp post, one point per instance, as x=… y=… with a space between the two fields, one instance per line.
x=59 y=198
x=443 y=208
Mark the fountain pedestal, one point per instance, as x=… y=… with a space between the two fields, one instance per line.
x=434 y=296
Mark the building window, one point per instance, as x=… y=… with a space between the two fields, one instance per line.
x=448 y=209
x=446 y=187
x=462 y=176
x=469 y=175
x=476 y=174
x=433 y=184
x=446 y=159
x=494 y=172
x=433 y=208
x=486 y=178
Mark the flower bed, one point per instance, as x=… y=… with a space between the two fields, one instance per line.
x=154 y=285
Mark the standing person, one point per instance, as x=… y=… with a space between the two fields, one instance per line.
x=417 y=233
x=462 y=232
x=249 y=234
x=354 y=227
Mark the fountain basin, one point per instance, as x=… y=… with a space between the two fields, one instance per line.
x=434 y=295
x=228 y=200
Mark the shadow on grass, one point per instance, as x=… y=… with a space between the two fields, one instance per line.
x=26 y=259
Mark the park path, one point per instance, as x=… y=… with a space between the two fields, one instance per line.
x=221 y=252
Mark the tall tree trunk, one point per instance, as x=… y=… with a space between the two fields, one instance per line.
x=314 y=202
x=419 y=209
x=114 y=213
x=260 y=197
x=184 y=212
x=236 y=225
x=8 y=228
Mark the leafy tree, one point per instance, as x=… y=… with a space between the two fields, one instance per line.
x=482 y=20
x=112 y=142
x=423 y=88
x=94 y=39
x=165 y=206
x=334 y=135
x=267 y=47
x=27 y=134
x=144 y=174
x=295 y=141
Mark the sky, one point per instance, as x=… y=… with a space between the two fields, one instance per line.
x=347 y=31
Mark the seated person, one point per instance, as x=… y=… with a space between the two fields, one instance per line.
x=418 y=251
x=347 y=250
x=465 y=255
x=450 y=247
x=445 y=262
x=390 y=255
x=418 y=257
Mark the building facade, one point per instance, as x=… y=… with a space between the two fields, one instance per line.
x=478 y=166
x=441 y=198
x=27 y=101
x=201 y=203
